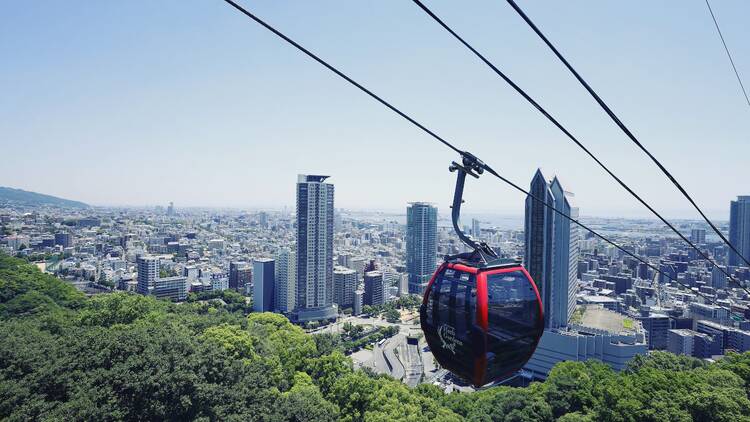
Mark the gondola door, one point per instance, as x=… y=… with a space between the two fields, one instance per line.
x=514 y=320
x=450 y=322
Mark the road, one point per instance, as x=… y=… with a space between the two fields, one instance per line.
x=396 y=368
x=409 y=356
x=395 y=356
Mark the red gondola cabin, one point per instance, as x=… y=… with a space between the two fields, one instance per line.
x=482 y=321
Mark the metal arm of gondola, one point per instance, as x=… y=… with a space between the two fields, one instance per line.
x=473 y=166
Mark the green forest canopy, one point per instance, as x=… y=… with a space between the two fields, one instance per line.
x=128 y=357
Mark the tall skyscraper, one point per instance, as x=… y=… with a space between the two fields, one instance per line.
x=552 y=249
x=263 y=219
x=421 y=244
x=263 y=270
x=739 y=230
x=344 y=285
x=476 y=229
x=718 y=279
x=285 y=280
x=698 y=236
x=314 y=249
x=148 y=272
x=374 y=288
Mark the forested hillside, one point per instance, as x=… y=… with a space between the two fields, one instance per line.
x=13 y=196
x=127 y=357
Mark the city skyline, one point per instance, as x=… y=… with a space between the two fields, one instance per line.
x=482 y=215
x=599 y=303
x=239 y=95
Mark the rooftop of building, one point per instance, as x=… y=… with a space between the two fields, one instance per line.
x=683 y=332
x=716 y=325
x=598 y=299
x=314 y=178
x=595 y=316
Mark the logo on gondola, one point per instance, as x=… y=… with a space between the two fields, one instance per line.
x=447 y=335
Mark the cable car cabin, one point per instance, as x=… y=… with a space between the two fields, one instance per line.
x=482 y=321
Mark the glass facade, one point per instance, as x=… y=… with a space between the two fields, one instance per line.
x=513 y=322
x=314 y=289
x=739 y=230
x=421 y=245
x=552 y=249
x=450 y=313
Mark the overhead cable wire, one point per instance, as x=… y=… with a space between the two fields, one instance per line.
x=624 y=128
x=736 y=73
x=449 y=145
x=341 y=74
x=575 y=140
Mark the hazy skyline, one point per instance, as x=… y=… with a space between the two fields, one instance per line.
x=138 y=103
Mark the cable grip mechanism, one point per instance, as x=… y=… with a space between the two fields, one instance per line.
x=474 y=167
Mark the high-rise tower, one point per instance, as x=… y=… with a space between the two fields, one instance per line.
x=476 y=229
x=739 y=230
x=263 y=286
x=552 y=249
x=148 y=272
x=285 y=286
x=374 y=288
x=314 y=249
x=345 y=283
x=421 y=245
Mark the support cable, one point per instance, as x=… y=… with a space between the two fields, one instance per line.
x=737 y=74
x=625 y=129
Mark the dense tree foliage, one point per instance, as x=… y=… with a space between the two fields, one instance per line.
x=389 y=310
x=121 y=356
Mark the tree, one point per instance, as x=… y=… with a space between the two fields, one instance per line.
x=394 y=401
x=120 y=308
x=327 y=369
x=664 y=361
x=279 y=337
x=238 y=342
x=120 y=356
x=353 y=393
x=304 y=402
x=327 y=343
x=738 y=363
x=577 y=417
x=511 y=404
x=571 y=386
x=392 y=315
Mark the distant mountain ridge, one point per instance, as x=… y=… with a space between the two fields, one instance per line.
x=13 y=196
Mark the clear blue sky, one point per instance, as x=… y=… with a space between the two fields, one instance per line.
x=143 y=102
